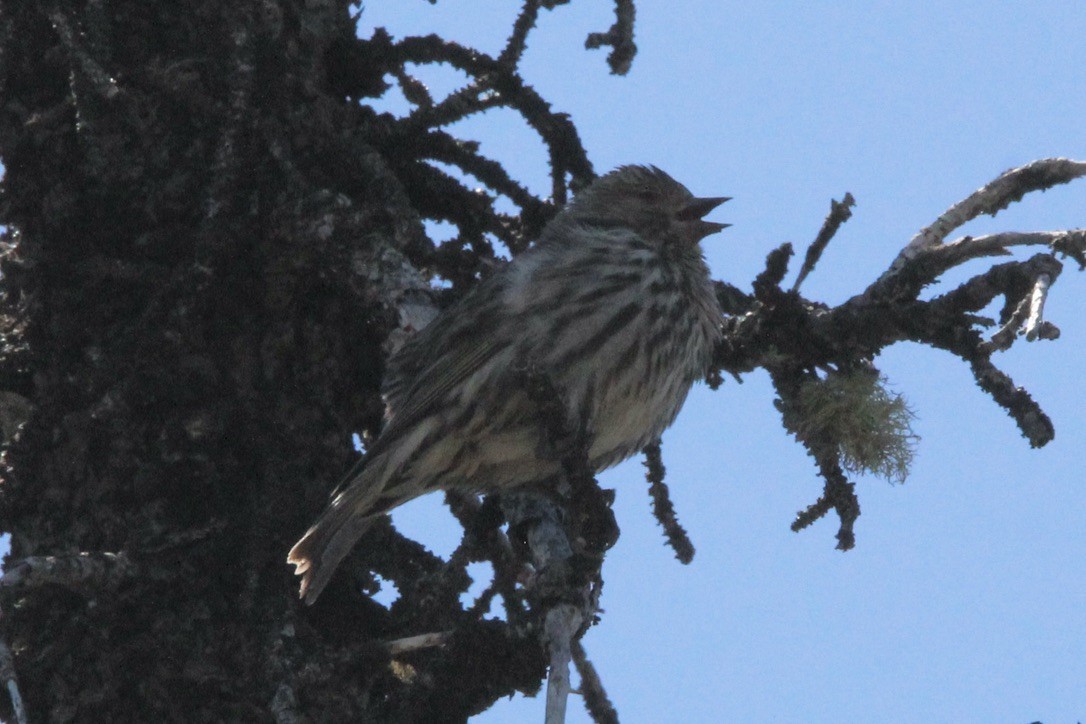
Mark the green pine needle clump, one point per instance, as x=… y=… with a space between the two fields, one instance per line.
x=871 y=425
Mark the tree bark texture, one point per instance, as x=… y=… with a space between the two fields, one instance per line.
x=202 y=249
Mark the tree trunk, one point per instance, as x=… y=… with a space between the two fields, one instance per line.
x=205 y=258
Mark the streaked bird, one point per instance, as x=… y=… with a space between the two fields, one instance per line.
x=614 y=304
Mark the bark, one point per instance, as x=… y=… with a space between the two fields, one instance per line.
x=205 y=259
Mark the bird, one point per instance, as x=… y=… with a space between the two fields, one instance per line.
x=613 y=303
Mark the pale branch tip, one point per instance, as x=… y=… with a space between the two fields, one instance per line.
x=560 y=627
x=1009 y=187
x=1035 y=324
x=417 y=642
x=1004 y=337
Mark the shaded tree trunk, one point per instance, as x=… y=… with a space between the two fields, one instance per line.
x=202 y=256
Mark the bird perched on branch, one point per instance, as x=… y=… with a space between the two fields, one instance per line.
x=614 y=304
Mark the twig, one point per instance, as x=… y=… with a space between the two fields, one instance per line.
x=1009 y=187
x=481 y=523
x=565 y=600
x=1032 y=421
x=840 y=212
x=619 y=37
x=414 y=90
x=458 y=105
x=927 y=264
x=975 y=247
x=524 y=23
x=557 y=131
x=7 y=675
x=15 y=410
x=559 y=629
x=662 y=509
x=767 y=284
x=1004 y=337
x=838 y=494
x=596 y=702
x=91 y=571
x=416 y=643
x=567 y=587
x=1035 y=324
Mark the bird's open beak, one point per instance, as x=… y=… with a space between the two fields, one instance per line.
x=697 y=208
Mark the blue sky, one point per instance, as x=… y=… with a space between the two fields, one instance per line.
x=965 y=598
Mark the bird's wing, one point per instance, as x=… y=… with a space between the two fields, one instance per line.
x=436 y=382
x=456 y=344
x=404 y=367
x=452 y=328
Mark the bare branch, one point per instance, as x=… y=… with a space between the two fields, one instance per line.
x=974 y=247
x=417 y=643
x=1035 y=324
x=793 y=337
x=514 y=48
x=559 y=630
x=1031 y=419
x=414 y=90
x=662 y=509
x=840 y=212
x=1011 y=186
x=838 y=495
x=596 y=702
x=568 y=558
x=619 y=37
x=507 y=89
x=1004 y=337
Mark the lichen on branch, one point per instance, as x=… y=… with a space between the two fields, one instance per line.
x=821 y=358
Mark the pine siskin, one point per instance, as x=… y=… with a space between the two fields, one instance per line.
x=614 y=304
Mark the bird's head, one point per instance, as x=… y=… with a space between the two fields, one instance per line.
x=650 y=202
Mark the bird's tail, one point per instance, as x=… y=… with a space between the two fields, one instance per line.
x=350 y=514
